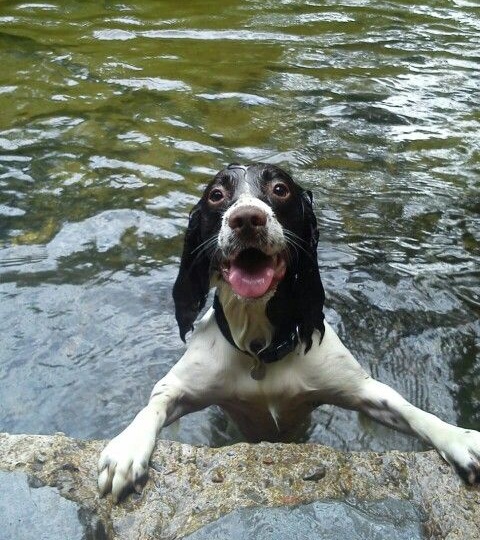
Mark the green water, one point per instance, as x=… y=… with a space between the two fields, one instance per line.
x=115 y=114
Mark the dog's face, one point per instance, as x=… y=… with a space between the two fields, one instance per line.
x=254 y=215
x=253 y=229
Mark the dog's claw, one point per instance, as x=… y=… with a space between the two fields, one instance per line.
x=123 y=464
x=461 y=448
x=104 y=481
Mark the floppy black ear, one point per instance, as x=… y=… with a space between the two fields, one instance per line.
x=299 y=298
x=192 y=284
x=307 y=288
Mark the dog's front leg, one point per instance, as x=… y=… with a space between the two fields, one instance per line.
x=459 y=447
x=340 y=380
x=123 y=464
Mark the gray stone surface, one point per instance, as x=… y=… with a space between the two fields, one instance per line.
x=35 y=513
x=191 y=487
x=332 y=520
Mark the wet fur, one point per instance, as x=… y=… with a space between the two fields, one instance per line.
x=212 y=371
x=300 y=296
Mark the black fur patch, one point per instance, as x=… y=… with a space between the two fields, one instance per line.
x=299 y=298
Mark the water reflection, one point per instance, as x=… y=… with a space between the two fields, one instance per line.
x=114 y=115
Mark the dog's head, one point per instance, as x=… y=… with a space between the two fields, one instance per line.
x=254 y=231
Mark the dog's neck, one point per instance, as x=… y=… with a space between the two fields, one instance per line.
x=247 y=319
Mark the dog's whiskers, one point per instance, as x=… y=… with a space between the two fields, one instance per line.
x=205 y=247
x=207 y=244
x=294 y=241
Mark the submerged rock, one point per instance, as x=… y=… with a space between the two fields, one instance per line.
x=394 y=494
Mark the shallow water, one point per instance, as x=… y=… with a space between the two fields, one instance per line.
x=116 y=114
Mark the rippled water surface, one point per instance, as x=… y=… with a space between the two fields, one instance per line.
x=114 y=115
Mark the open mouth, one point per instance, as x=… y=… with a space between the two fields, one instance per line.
x=251 y=273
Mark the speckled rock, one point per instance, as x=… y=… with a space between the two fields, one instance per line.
x=190 y=487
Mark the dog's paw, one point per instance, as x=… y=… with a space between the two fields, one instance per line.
x=461 y=448
x=123 y=464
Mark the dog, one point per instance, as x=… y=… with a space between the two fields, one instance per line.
x=264 y=352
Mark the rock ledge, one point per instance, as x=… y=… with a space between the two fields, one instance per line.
x=190 y=487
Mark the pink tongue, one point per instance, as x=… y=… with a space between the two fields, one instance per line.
x=250 y=284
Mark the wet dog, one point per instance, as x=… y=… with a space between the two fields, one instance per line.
x=263 y=352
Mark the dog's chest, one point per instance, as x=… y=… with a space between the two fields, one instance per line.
x=273 y=408
x=247 y=321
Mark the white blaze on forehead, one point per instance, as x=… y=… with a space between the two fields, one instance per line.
x=244 y=188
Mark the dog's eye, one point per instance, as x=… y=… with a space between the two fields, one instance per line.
x=280 y=190
x=216 y=195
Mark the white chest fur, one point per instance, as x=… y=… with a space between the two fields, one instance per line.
x=247 y=320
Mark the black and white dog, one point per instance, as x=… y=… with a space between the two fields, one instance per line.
x=263 y=353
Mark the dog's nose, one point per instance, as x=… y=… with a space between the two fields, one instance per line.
x=247 y=218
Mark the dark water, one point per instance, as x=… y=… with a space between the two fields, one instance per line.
x=115 y=114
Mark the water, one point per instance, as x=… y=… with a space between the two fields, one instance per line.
x=114 y=115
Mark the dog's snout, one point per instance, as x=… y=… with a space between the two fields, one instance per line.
x=247 y=218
